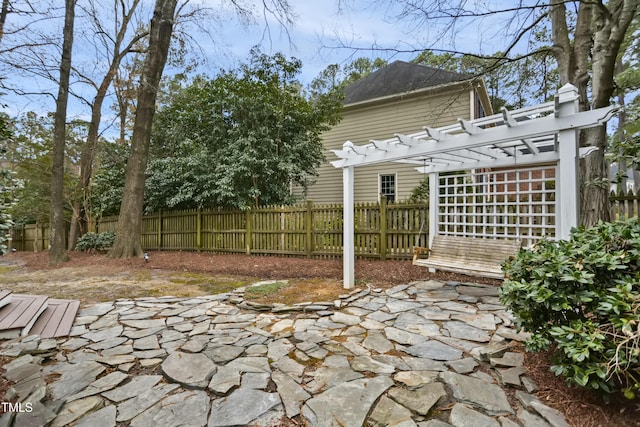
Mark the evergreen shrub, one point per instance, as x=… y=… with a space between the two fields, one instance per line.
x=581 y=297
x=95 y=241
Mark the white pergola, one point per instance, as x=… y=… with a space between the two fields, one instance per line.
x=544 y=134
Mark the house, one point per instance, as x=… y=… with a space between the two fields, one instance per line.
x=399 y=98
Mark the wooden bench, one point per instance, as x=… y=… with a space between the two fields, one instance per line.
x=467 y=255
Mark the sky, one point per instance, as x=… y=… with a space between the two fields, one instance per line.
x=331 y=31
x=318 y=34
x=323 y=32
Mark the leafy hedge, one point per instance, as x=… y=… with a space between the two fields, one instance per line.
x=581 y=297
x=94 y=241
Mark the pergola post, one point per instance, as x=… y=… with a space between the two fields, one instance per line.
x=434 y=179
x=567 y=188
x=434 y=190
x=348 y=253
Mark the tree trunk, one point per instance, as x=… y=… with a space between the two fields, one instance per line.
x=4 y=12
x=36 y=238
x=74 y=227
x=87 y=156
x=599 y=32
x=58 y=250
x=594 y=178
x=127 y=243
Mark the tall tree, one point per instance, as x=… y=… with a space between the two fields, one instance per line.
x=29 y=154
x=260 y=134
x=587 y=59
x=57 y=238
x=115 y=47
x=127 y=243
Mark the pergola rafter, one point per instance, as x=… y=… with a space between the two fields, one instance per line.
x=543 y=134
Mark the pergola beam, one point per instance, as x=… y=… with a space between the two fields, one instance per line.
x=469 y=127
x=414 y=147
x=436 y=134
x=510 y=121
x=523 y=160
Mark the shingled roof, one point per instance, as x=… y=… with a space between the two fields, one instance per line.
x=396 y=78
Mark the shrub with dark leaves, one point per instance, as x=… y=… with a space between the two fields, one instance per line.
x=95 y=242
x=581 y=297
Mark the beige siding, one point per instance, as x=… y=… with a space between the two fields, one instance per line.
x=364 y=122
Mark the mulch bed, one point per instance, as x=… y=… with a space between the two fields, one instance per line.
x=265 y=267
x=582 y=407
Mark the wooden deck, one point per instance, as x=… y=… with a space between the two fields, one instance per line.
x=5 y=298
x=21 y=315
x=57 y=319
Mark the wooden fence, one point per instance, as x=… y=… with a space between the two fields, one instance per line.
x=30 y=237
x=383 y=231
x=625 y=205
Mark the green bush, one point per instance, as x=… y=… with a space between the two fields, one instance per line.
x=581 y=297
x=94 y=241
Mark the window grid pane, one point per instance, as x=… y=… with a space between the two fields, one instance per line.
x=388 y=186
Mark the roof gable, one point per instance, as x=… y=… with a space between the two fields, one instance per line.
x=396 y=78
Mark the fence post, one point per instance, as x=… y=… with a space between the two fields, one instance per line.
x=383 y=227
x=159 y=238
x=308 y=224
x=247 y=236
x=199 y=229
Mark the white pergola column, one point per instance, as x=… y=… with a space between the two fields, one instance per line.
x=434 y=190
x=348 y=254
x=567 y=188
x=434 y=181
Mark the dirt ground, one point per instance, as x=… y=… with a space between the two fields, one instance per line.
x=93 y=278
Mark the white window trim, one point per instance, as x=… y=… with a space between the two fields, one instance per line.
x=395 y=184
x=472 y=104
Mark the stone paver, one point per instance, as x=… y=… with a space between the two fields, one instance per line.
x=241 y=407
x=346 y=404
x=191 y=370
x=420 y=399
x=427 y=354
x=191 y=405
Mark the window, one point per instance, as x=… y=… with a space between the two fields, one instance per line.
x=388 y=187
x=479 y=109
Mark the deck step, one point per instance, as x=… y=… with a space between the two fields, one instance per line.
x=17 y=317
x=21 y=315
x=5 y=298
x=57 y=319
